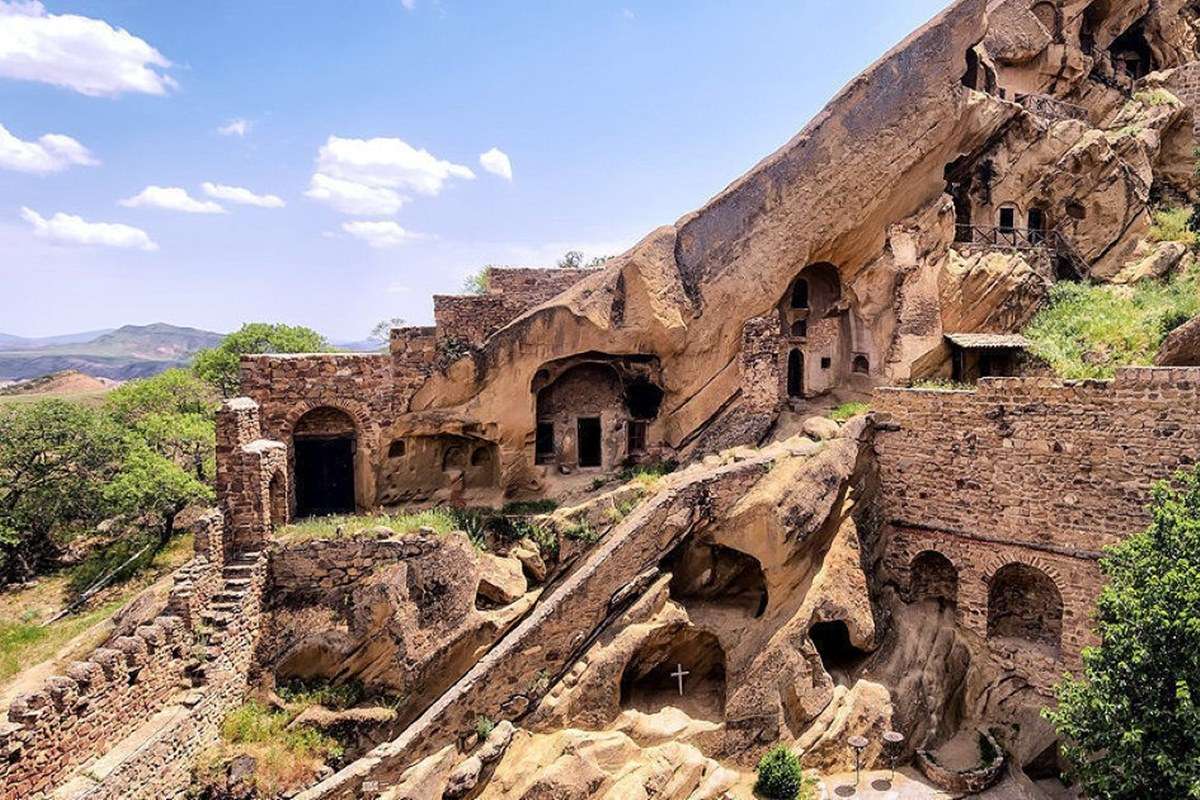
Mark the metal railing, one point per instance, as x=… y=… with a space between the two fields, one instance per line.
x=1003 y=238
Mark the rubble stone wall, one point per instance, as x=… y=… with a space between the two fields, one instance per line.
x=253 y=484
x=1185 y=84
x=1033 y=471
x=304 y=572
x=472 y=318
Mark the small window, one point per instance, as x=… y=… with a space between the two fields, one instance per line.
x=800 y=294
x=544 y=446
x=861 y=365
x=397 y=449
x=800 y=328
x=482 y=457
x=826 y=362
x=1008 y=219
x=454 y=458
x=637 y=437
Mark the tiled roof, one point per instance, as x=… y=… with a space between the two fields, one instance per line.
x=989 y=341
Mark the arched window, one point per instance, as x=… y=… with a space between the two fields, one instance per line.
x=800 y=329
x=455 y=457
x=932 y=576
x=1024 y=603
x=861 y=365
x=800 y=294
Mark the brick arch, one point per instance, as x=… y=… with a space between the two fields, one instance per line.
x=932 y=574
x=363 y=421
x=996 y=560
x=1025 y=601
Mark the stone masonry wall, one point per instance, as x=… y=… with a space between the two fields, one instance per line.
x=1032 y=471
x=473 y=318
x=1185 y=84
x=304 y=572
x=75 y=724
x=252 y=477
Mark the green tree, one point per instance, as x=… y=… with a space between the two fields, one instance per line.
x=219 y=365
x=573 y=259
x=148 y=483
x=382 y=332
x=781 y=776
x=478 y=282
x=1131 y=723
x=55 y=458
x=174 y=413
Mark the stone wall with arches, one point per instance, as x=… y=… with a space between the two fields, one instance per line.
x=1030 y=471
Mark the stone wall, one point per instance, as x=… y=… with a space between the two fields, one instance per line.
x=303 y=573
x=253 y=485
x=1185 y=84
x=126 y=721
x=510 y=293
x=1031 y=471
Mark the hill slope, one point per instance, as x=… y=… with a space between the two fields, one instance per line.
x=132 y=351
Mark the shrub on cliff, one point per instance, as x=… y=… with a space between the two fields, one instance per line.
x=219 y=365
x=1131 y=723
x=781 y=777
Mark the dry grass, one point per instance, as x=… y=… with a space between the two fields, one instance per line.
x=348 y=526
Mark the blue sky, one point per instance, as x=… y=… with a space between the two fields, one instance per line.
x=615 y=117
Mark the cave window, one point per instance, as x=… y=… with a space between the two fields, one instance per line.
x=861 y=365
x=397 y=449
x=482 y=457
x=826 y=362
x=1076 y=210
x=637 y=437
x=932 y=576
x=970 y=78
x=795 y=374
x=704 y=574
x=643 y=399
x=590 y=451
x=454 y=458
x=800 y=329
x=800 y=294
x=1132 y=55
x=1008 y=219
x=838 y=655
x=1024 y=604
x=544 y=443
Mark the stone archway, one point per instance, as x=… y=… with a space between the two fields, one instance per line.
x=324 y=449
x=1025 y=604
x=366 y=443
x=650 y=681
x=932 y=576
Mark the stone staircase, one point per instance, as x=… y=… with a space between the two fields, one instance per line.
x=227 y=605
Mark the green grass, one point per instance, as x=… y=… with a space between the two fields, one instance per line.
x=848 y=411
x=441 y=520
x=649 y=475
x=285 y=759
x=1156 y=97
x=1089 y=331
x=1173 y=225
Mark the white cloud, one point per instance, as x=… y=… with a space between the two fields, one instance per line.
x=80 y=53
x=236 y=194
x=235 y=127
x=395 y=287
x=355 y=198
x=409 y=5
x=70 y=229
x=171 y=198
x=627 y=13
x=52 y=152
x=496 y=161
x=380 y=234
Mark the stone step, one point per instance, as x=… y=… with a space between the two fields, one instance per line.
x=228 y=598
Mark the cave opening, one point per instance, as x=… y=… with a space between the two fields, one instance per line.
x=717 y=576
x=652 y=677
x=838 y=654
x=643 y=399
x=1131 y=54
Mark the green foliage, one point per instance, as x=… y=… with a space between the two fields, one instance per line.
x=55 y=459
x=149 y=483
x=1156 y=97
x=1089 y=331
x=478 y=282
x=573 y=259
x=318 y=692
x=781 y=777
x=648 y=475
x=219 y=365
x=264 y=732
x=484 y=726
x=529 y=507
x=1173 y=225
x=174 y=413
x=581 y=531
x=1131 y=723
x=944 y=384
x=848 y=411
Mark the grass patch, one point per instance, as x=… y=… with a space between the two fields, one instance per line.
x=1156 y=97
x=1173 y=225
x=528 y=507
x=441 y=520
x=581 y=531
x=1090 y=331
x=285 y=759
x=25 y=643
x=848 y=411
x=648 y=475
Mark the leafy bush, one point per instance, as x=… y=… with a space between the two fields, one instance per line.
x=1173 y=225
x=581 y=531
x=219 y=365
x=484 y=726
x=1128 y=724
x=848 y=411
x=1088 y=331
x=478 y=282
x=1156 y=97
x=781 y=777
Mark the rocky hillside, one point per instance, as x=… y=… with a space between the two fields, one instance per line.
x=132 y=351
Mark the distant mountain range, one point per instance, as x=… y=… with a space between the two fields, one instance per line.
x=133 y=351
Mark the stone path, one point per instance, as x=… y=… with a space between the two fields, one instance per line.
x=876 y=785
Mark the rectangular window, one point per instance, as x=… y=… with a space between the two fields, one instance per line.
x=544 y=446
x=589 y=442
x=1008 y=219
x=637 y=437
x=826 y=362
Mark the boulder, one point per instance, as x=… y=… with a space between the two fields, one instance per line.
x=820 y=428
x=1181 y=348
x=1162 y=261
x=463 y=778
x=527 y=552
x=501 y=580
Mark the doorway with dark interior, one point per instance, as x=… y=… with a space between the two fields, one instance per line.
x=324 y=476
x=590 y=452
x=795 y=374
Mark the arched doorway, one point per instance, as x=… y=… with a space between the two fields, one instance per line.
x=1024 y=603
x=932 y=576
x=652 y=677
x=795 y=374
x=324 y=442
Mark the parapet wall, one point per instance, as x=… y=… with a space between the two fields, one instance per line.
x=510 y=293
x=1032 y=471
x=305 y=572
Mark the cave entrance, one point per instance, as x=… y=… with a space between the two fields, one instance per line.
x=1024 y=604
x=838 y=655
x=795 y=374
x=1131 y=54
x=932 y=576
x=590 y=452
x=717 y=576
x=650 y=681
x=323 y=446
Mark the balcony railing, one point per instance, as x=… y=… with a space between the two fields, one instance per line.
x=1004 y=238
